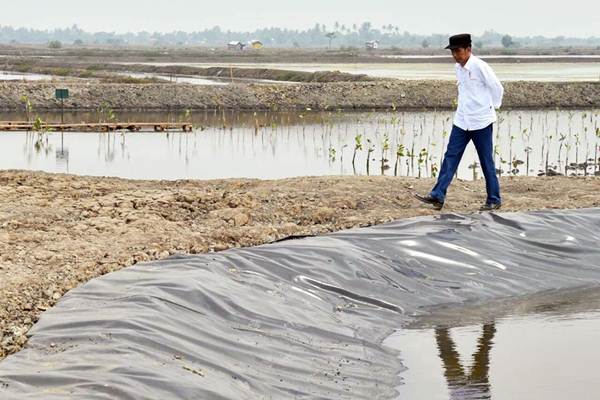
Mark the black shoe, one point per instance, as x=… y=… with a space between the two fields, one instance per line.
x=430 y=200
x=490 y=206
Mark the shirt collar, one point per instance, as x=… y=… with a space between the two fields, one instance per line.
x=469 y=63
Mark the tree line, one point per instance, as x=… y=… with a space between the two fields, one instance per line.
x=320 y=35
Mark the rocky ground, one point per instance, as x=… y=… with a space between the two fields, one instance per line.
x=58 y=231
x=392 y=94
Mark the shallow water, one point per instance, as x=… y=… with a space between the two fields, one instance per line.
x=17 y=76
x=543 y=355
x=279 y=145
x=193 y=80
x=555 y=71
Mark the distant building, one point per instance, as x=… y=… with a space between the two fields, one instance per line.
x=372 y=45
x=236 y=45
x=256 y=44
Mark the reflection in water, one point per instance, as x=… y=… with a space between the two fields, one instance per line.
x=62 y=156
x=475 y=384
x=277 y=145
x=535 y=347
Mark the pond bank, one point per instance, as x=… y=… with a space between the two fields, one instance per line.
x=58 y=231
x=384 y=94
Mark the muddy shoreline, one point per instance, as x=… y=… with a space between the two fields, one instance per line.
x=379 y=95
x=199 y=54
x=58 y=231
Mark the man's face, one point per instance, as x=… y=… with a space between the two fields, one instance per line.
x=461 y=55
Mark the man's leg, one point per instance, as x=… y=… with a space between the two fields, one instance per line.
x=456 y=147
x=483 y=140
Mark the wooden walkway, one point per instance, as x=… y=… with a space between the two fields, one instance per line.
x=97 y=127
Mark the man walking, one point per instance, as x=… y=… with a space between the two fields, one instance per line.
x=479 y=95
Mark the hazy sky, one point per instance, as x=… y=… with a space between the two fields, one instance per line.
x=516 y=17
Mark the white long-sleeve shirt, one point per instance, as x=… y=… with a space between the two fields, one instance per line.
x=479 y=95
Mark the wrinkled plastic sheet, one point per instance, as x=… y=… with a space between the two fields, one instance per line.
x=296 y=319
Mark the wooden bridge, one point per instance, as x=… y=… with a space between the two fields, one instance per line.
x=96 y=127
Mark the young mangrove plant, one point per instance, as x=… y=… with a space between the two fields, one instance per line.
x=370 y=149
x=385 y=146
x=400 y=152
x=28 y=107
x=105 y=113
x=474 y=168
x=331 y=154
x=527 y=153
x=357 y=147
x=422 y=158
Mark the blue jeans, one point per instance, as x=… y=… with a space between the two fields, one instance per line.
x=483 y=141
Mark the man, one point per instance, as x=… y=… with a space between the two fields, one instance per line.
x=479 y=95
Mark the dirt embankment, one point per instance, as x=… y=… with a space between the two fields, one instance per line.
x=316 y=96
x=106 y=72
x=58 y=231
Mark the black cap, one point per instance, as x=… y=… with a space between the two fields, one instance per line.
x=462 y=40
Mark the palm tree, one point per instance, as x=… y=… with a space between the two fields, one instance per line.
x=330 y=36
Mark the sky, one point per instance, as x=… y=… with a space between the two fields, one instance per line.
x=575 y=18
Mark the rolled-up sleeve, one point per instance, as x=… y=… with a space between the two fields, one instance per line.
x=493 y=83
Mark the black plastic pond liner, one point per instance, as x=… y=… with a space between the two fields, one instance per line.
x=297 y=319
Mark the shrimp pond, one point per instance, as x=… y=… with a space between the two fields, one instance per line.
x=269 y=145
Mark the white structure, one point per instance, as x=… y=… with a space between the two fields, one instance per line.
x=235 y=45
x=372 y=45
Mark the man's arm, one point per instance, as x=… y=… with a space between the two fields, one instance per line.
x=492 y=82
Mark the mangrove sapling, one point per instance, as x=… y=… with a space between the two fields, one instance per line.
x=577 y=142
x=474 y=168
x=28 y=107
x=370 y=149
x=526 y=136
x=527 y=154
x=342 y=156
x=561 y=142
x=504 y=162
x=499 y=170
x=399 y=154
x=567 y=150
x=428 y=152
x=444 y=136
x=421 y=160
x=434 y=169
x=515 y=165
x=357 y=147
x=37 y=127
x=547 y=154
x=510 y=148
x=105 y=113
x=385 y=146
x=331 y=154
x=411 y=156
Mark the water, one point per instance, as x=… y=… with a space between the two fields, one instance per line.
x=176 y=78
x=543 y=71
x=17 y=76
x=279 y=145
x=546 y=354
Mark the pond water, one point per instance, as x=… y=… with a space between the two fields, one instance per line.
x=550 y=352
x=193 y=80
x=278 y=145
x=17 y=76
x=543 y=71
